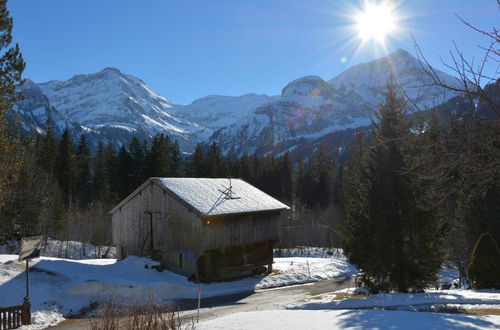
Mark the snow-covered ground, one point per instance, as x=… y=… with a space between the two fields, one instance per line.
x=64 y=286
x=348 y=319
x=430 y=300
x=381 y=311
x=65 y=249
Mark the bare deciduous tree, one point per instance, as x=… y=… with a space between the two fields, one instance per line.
x=470 y=73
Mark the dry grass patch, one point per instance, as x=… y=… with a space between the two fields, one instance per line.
x=149 y=316
x=346 y=295
x=276 y=272
x=68 y=322
x=482 y=311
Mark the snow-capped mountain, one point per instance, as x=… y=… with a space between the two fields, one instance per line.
x=116 y=106
x=216 y=111
x=113 y=106
x=33 y=111
x=309 y=107
x=367 y=80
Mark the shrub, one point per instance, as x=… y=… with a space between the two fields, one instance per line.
x=484 y=268
x=136 y=316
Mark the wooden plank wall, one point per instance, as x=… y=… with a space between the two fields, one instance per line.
x=179 y=230
x=176 y=229
x=230 y=231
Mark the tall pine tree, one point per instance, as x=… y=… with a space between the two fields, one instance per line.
x=66 y=168
x=12 y=66
x=83 y=173
x=390 y=236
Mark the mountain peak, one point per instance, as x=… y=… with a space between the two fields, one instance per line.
x=369 y=79
x=400 y=52
x=111 y=70
x=303 y=86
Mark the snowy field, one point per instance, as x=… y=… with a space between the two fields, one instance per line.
x=348 y=319
x=63 y=286
x=381 y=311
x=430 y=300
x=65 y=249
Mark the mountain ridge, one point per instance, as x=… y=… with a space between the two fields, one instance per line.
x=113 y=106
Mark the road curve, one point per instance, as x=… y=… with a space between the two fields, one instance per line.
x=276 y=298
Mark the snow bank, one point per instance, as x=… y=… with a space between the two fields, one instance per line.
x=66 y=249
x=63 y=286
x=406 y=301
x=312 y=252
x=359 y=319
x=43 y=319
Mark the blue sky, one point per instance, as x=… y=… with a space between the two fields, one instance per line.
x=188 y=49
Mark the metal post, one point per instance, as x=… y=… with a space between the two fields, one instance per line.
x=27 y=280
x=199 y=301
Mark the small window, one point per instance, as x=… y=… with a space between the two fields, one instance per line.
x=180 y=260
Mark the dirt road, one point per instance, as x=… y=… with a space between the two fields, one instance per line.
x=277 y=298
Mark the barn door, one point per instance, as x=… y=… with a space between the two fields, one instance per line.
x=154 y=228
x=151 y=232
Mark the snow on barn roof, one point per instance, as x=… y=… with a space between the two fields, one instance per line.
x=211 y=197
x=221 y=196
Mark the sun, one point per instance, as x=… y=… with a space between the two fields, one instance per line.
x=376 y=22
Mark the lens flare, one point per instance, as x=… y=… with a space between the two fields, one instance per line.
x=375 y=22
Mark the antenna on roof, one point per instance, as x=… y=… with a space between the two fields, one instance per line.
x=228 y=192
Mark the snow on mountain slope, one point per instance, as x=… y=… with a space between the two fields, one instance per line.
x=308 y=91
x=34 y=110
x=111 y=106
x=118 y=105
x=216 y=111
x=367 y=80
x=309 y=107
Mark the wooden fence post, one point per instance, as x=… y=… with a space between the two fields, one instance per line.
x=26 y=314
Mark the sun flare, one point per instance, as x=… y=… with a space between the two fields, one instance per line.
x=376 y=21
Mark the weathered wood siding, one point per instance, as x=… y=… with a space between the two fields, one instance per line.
x=236 y=230
x=180 y=236
x=176 y=229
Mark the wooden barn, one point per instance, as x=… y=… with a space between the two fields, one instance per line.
x=205 y=229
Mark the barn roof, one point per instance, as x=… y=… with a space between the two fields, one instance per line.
x=211 y=197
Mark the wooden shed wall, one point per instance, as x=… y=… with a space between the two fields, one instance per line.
x=236 y=230
x=179 y=230
x=176 y=229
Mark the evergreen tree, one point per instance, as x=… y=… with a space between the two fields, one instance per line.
x=124 y=173
x=12 y=65
x=484 y=268
x=196 y=165
x=213 y=161
x=47 y=156
x=137 y=163
x=390 y=236
x=160 y=157
x=317 y=180
x=112 y=166
x=66 y=167
x=175 y=163
x=83 y=172
x=246 y=168
x=34 y=206
x=286 y=178
x=101 y=178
